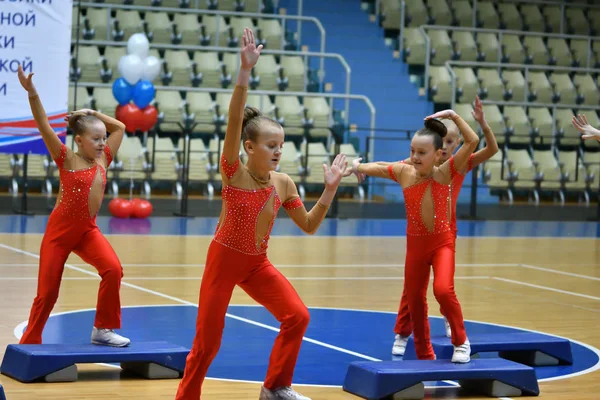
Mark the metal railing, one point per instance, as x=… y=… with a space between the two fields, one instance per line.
x=526 y=67
x=423 y=29
x=282 y=18
x=304 y=54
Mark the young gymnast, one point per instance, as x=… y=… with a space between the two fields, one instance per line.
x=252 y=195
x=72 y=225
x=587 y=131
x=430 y=237
x=452 y=140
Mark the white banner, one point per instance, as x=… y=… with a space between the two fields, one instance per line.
x=35 y=34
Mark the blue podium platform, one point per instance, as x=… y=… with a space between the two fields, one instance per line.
x=496 y=377
x=56 y=362
x=526 y=348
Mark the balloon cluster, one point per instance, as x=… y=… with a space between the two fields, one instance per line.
x=135 y=208
x=134 y=90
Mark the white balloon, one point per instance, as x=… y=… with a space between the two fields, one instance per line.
x=151 y=68
x=138 y=44
x=131 y=68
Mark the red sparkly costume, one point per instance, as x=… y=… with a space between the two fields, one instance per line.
x=237 y=256
x=72 y=227
x=403 y=325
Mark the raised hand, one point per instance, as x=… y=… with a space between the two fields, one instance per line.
x=249 y=52
x=26 y=81
x=442 y=114
x=587 y=131
x=477 y=112
x=333 y=175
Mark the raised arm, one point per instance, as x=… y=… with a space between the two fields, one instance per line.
x=309 y=221
x=53 y=143
x=115 y=128
x=249 y=56
x=471 y=140
x=491 y=146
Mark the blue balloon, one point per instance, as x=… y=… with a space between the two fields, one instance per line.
x=143 y=93
x=122 y=91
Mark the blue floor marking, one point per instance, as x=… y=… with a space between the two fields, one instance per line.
x=245 y=347
x=329 y=227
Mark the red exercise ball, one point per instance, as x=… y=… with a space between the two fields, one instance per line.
x=149 y=116
x=120 y=208
x=130 y=115
x=141 y=208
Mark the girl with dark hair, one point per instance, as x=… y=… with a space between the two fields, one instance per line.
x=252 y=195
x=72 y=224
x=429 y=235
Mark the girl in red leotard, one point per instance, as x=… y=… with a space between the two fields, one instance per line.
x=72 y=225
x=429 y=235
x=403 y=327
x=252 y=195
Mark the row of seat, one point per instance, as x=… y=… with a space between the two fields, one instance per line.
x=197 y=69
x=541 y=171
x=510 y=84
x=181 y=28
x=158 y=162
x=203 y=112
x=448 y=44
x=492 y=15
x=252 y=6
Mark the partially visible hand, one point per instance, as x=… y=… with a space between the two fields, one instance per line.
x=442 y=115
x=477 y=112
x=587 y=131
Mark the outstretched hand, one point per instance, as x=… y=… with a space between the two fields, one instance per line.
x=333 y=175
x=26 y=81
x=580 y=123
x=442 y=115
x=354 y=170
x=249 y=52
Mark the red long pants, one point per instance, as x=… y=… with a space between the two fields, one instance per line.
x=226 y=268
x=83 y=238
x=422 y=252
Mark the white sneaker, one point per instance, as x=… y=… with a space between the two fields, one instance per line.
x=462 y=353
x=399 y=345
x=448 y=329
x=108 y=337
x=282 y=393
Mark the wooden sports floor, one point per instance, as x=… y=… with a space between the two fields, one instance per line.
x=542 y=278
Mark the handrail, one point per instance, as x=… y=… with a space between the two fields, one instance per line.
x=423 y=29
x=282 y=18
x=304 y=54
x=360 y=97
x=526 y=67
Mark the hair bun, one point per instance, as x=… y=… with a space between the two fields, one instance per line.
x=249 y=114
x=437 y=126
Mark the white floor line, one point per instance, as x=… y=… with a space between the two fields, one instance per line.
x=587 y=296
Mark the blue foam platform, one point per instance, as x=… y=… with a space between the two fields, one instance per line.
x=2 y=395
x=508 y=345
x=30 y=362
x=378 y=380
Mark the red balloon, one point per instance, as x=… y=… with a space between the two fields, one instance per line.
x=148 y=118
x=141 y=208
x=130 y=115
x=120 y=208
